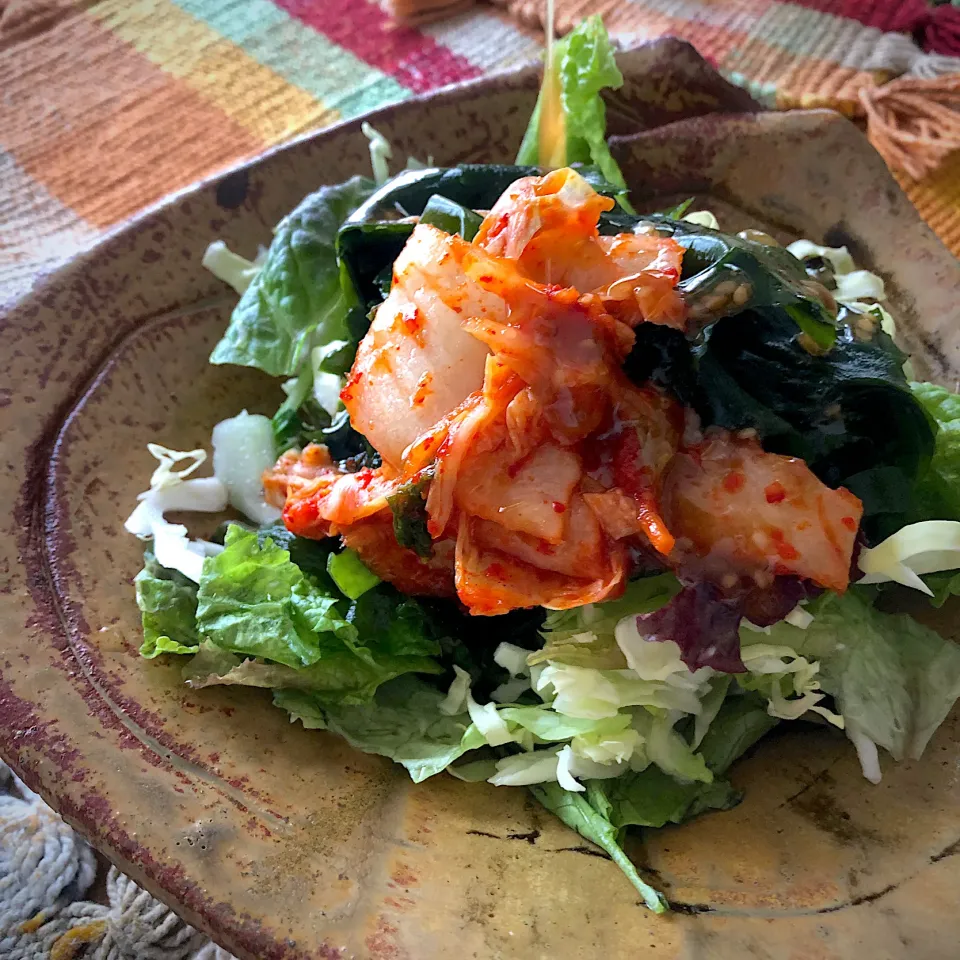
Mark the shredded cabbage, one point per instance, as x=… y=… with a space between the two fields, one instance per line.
x=926 y=547
x=380 y=152
x=513 y=659
x=595 y=694
x=564 y=777
x=867 y=754
x=522 y=769
x=703 y=218
x=657 y=660
x=455 y=701
x=509 y=691
x=170 y=491
x=789 y=681
x=165 y=475
x=230 y=267
x=798 y=617
x=604 y=748
x=669 y=751
x=243 y=448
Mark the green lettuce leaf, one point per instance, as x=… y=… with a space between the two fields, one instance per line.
x=653 y=798
x=590 y=820
x=301 y=706
x=894 y=680
x=944 y=586
x=296 y=299
x=738 y=725
x=340 y=677
x=583 y=636
x=551 y=726
x=403 y=723
x=938 y=492
x=168 y=609
x=585 y=65
x=254 y=600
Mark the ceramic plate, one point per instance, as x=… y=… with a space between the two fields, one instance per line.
x=283 y=843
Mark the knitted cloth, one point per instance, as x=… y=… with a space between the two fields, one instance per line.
x=45 y=871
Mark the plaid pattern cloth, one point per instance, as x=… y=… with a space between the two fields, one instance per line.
x=108 y=106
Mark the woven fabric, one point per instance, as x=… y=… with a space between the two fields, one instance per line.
x=110 y=105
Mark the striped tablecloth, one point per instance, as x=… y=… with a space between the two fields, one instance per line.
x=108 y=106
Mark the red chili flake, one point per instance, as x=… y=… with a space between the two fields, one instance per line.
x=364 y=478
x=495 y=570
x=559 y=507
x=775 y=492
x=787 y=551
x=499 y=226
x=486 y=278
x=734 y=481
x=423 y=389
x=776 y=534
x=345 y=394
x=849 y=523
x=427 y=443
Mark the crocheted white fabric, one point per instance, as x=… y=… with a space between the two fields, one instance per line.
x=45 y=870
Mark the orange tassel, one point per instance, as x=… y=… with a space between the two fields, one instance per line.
x=913 y=123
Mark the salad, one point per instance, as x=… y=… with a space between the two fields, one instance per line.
x=563 y=496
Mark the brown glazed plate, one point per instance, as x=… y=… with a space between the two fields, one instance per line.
x=285 y=843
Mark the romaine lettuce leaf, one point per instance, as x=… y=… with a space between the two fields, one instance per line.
x=255 y=602
x=340 y=677
x=741 y=721
x=585 y=65
x=587 y=814
x=403 y=723
x=168 y=608
x=653 y=798
x=296 y=299
x=938 y=492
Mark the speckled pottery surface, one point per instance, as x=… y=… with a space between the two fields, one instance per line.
x=285 y=843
